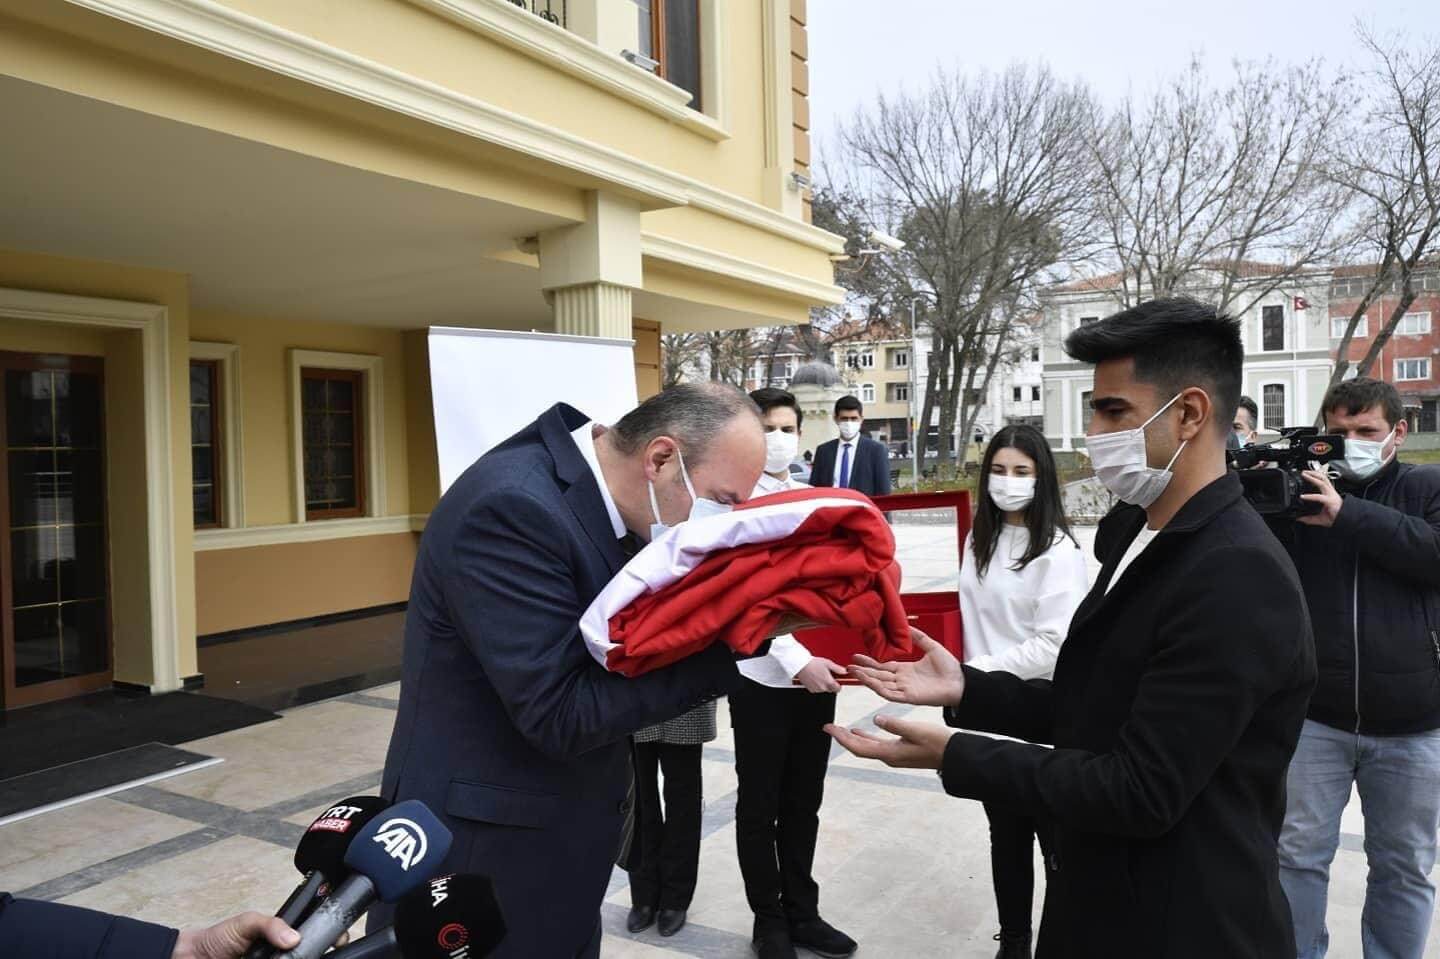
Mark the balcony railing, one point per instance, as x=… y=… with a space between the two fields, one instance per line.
x=556 y=11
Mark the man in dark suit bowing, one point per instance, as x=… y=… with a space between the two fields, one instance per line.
x=507 y=728
x=852 y=461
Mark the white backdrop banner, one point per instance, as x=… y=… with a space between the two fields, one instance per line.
x=488 y=384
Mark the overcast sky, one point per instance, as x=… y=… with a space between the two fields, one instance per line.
x=859 y=47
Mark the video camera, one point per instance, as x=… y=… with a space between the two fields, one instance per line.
x=1270 y=472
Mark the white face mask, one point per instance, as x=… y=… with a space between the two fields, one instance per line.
x=780 y=449
x=1122 y=465
x=699 y=507
x=1363 y=459
x=849 y=429
x=1011 y=493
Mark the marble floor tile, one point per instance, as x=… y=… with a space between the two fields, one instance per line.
x=309 y=748
x=42 y=848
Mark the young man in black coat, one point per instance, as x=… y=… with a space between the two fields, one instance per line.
x=1173 y=714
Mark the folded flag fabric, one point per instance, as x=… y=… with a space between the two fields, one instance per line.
x=826 y=555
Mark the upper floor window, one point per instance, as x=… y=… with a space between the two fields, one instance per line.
x=1272 y=406
x=1272 y=328
x=900 y=359
x=1086 y=412
x=1034 y=394
x=670 y=35
x=1016 y=395
x=1087 y=320
x=1414 y=323
x=1413 y=369
x=1034 y=354
x=1338 y=324
x=867 y=393
x=899 y=393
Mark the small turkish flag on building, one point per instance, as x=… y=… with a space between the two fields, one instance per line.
x=1300 y=303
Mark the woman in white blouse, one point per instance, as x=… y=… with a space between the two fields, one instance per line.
x=1022 y=576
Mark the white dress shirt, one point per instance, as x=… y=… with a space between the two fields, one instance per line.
x=786 y=657
x=584 y=438
x=1015 y=620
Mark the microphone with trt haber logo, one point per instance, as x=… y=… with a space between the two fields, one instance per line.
x=394 y=854
x=453 y=917
x=320 y=857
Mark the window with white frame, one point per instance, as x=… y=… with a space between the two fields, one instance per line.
x=900 y=359
x=1034 y=354
x=867 y=393
x=1338 y=324
x=1413 y=323
x=867 y=361
x=1272 y=406
x=337 y=425
x=1272 y=328
x=1034 y=394
x=900 y=392
x=1015 y=395
x=1413 y=369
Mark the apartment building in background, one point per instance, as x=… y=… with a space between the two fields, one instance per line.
x=229 y=223
x=1286 y=334
x=1411 y=359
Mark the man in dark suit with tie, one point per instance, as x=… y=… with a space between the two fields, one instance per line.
x=852 y=461
x=507 y=728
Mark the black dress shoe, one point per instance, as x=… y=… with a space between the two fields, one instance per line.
x=671 y=921
x=821 y=938
x=1013 y=945
x=641 y=918
x=772 y=942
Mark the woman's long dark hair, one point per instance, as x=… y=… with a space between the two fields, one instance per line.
x=1044 y=517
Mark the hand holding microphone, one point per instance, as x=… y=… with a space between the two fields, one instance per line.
x=392 y=855
x=320 y=858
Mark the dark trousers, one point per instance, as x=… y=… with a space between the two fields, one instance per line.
x=1012 y=864
x=781 y=753
x=669 y=838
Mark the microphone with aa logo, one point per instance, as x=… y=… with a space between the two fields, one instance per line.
x=394 y=854
x=320 y=857
x=454 y=917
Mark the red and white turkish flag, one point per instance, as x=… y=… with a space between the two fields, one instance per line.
x=824 y=555
x=1300 y=303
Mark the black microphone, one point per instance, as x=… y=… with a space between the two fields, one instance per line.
x=394 y=854
x=453 y=917
x=320 y=858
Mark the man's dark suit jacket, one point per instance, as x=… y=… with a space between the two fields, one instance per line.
x=869 y=469
x=1174 y=714
x=50 y=930
x=507 y=728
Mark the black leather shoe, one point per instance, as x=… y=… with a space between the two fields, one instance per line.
x=821 y=938
x=772 y=942
x=671 y=921
x=1013 y=945
x=641 y=918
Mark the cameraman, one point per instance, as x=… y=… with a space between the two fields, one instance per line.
x=1370 y=565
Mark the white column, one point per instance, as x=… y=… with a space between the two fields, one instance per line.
x=593 y=309
x=588 y=270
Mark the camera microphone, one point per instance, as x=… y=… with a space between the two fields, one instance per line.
x=320 y=858
x=453 y=917
x=392 y=855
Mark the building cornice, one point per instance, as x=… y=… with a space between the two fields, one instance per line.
x=741 y=270
x=211 y=26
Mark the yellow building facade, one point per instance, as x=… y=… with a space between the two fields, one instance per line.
x=227 y=226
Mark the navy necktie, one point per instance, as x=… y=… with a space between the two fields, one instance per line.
x=845 y=465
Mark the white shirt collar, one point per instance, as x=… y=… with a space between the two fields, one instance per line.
x=769 y=484
x=584 y=438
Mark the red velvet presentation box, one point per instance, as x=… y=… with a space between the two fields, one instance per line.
x=935 y=614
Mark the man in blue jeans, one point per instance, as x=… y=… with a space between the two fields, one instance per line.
x=1370 y=565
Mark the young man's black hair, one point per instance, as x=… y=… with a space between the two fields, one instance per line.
x=848 y=403
x=1176 y=343
x=770 y=397
x=1248 y=405
x=1354 y=397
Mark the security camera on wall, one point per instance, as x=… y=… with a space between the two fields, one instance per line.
x=885 y=240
